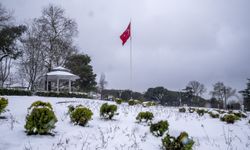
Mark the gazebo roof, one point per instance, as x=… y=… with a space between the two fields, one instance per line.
x=61 y=73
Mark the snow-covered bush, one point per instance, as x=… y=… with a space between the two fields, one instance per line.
x=182 y=142
x=239 y=114
x=200 y=112
x=182 y=109
x=148 y=104
x=214 y=114
x=3 y=104
x=108 y=111
x=229 y=118
x=118 y=100
x=40 y=119
x=191 y=110
x=220 y=111
x=145 y=116
x=71 y=108
x=159 y=128
x=81 y=115
x=132 y=102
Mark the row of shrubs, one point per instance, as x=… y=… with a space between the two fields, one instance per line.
x=41 y=119
x=226 y=116
x=182 y=142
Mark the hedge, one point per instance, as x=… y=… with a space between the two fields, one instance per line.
x=15 y=92
x=54 y=94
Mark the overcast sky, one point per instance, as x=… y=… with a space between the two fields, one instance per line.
x=174 y=41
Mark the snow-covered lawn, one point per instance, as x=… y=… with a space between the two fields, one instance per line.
x=122 y=133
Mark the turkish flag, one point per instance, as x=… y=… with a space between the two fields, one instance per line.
x=125 y=35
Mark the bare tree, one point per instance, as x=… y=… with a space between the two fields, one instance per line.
x=197 y=88
x=102 y=84
x=32 y=61
x=57 y=32
x=5 y=16
x=222 y=92
x=5 y=66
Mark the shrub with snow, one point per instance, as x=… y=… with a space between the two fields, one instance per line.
x=40 y=119
x=200 y=112
x=3 y=104
x=182 y=109
x=191 y=110
x=132 y=102
x=229 y=118
x=108 y=111
x=118 y=100
x=239 y=114
x=71 y=108
x=145 y=116
x=148 y=104
x=220 y=111
x=182 y=142
x=159 y=128
x=214 y=114
x=81 y=115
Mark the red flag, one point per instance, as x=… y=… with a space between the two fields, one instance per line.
x=125 y=35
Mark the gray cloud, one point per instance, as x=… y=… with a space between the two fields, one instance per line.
x=173 y=41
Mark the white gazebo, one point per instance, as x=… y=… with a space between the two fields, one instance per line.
x=60 y=73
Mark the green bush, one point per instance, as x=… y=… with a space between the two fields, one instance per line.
x=200 y=112
x=239 y=114
x=108 y=111
x=148 y=104
x=80 y=115
x=42 y=104
x=145 y=116
x=71 y=108
x=182 y=142
x=14 y=92
x=221 y=111
x=132 y=102
x=214 y=114
x=159 y=128
x=3 y=104
x=182 y=109
x=191 y=110
x=229 y=118
x=118 y=101
x=40 y=119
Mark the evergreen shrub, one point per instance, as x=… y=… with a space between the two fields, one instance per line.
x=182 y=142
x=3 y=104
x=182 y=109
x=145 y=116
x=159 y=128
x=108 y=111
x=80 y=115
x=40 y=118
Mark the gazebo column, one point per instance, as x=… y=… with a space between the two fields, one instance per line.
x=57 y=81
x=47 y=86
x=69 y=85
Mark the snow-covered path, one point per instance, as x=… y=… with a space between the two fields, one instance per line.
x=122 y=133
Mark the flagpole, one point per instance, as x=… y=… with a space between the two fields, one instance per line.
x=131 y=83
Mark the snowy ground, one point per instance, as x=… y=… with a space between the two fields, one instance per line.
x=122 y=133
